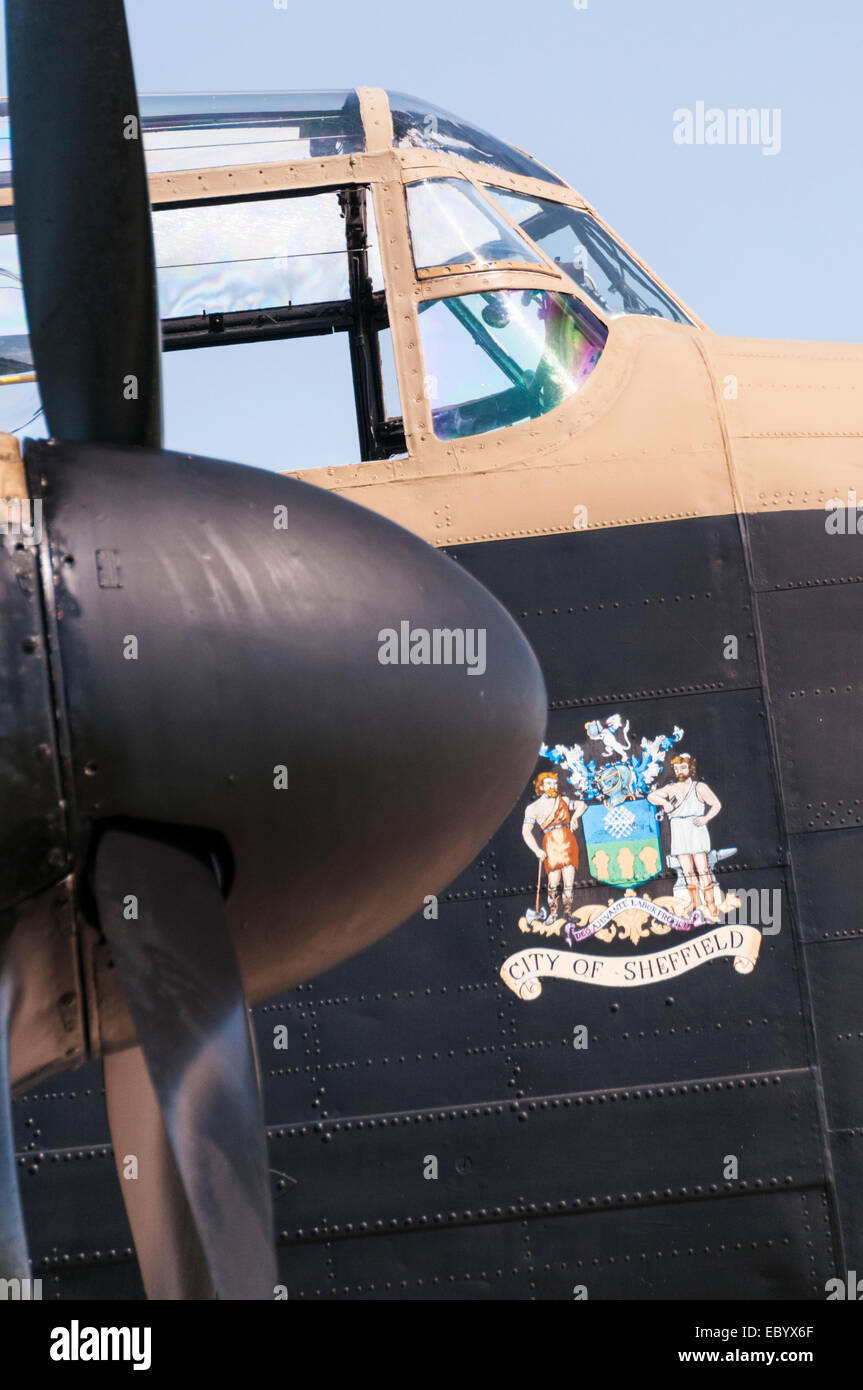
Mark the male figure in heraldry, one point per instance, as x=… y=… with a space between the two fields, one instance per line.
x=689 y=805
x=556 y=816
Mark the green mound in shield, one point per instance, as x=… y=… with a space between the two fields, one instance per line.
x=623 y=845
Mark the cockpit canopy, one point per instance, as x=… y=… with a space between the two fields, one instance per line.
x=197 y=131
x=270 y=215
x=428 y=127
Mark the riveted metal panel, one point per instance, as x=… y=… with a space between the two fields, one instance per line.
x=109 y=1279
x=423 y=954
x=89 y=1218
x=289 y=1074
x=305 y=1268
x=651 y=603
x=835 y=971
x=847 y=1149
x=828 y=873
x=775 y=1246
x=468 y=1262
x=815 y=663
x=412 y=1022
x=795 y=550
x=67 y=1112
x=634 y=1145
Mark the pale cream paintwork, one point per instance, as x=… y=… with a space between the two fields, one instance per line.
x=12 y=480
x=793 y=429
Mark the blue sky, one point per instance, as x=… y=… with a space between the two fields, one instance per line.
x=759 y=245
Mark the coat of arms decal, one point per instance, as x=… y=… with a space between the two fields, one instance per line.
x=618 y=795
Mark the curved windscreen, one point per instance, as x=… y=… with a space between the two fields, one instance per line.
x=589 y=256
x=417 y=122
x=451 y=224
x=495 y=358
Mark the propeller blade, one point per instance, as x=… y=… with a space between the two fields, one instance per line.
x=161 y=910
x=82 y=213
x=14 y=1263
x=170 y=1255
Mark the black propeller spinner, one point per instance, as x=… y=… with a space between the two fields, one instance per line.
x=245 y=792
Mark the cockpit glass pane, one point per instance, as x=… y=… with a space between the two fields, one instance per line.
x=205 y=132
x=254 y=254
x=14 y=344
x=248 y=255
x=417 y=122
x=589 y=256
x=20 y=404
x=373 y=246
x=452 y=224
x=5 y=147
x=493 y=359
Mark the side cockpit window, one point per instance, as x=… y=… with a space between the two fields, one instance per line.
x=496 y=358
x=206 y=132
x=589 y=256
x=289 y=291
x=452 y=227
x=262 y=253
x=276 y=347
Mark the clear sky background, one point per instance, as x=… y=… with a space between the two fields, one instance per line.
x=758 y=245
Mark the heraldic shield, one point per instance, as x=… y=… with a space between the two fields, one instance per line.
x=623 y=845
